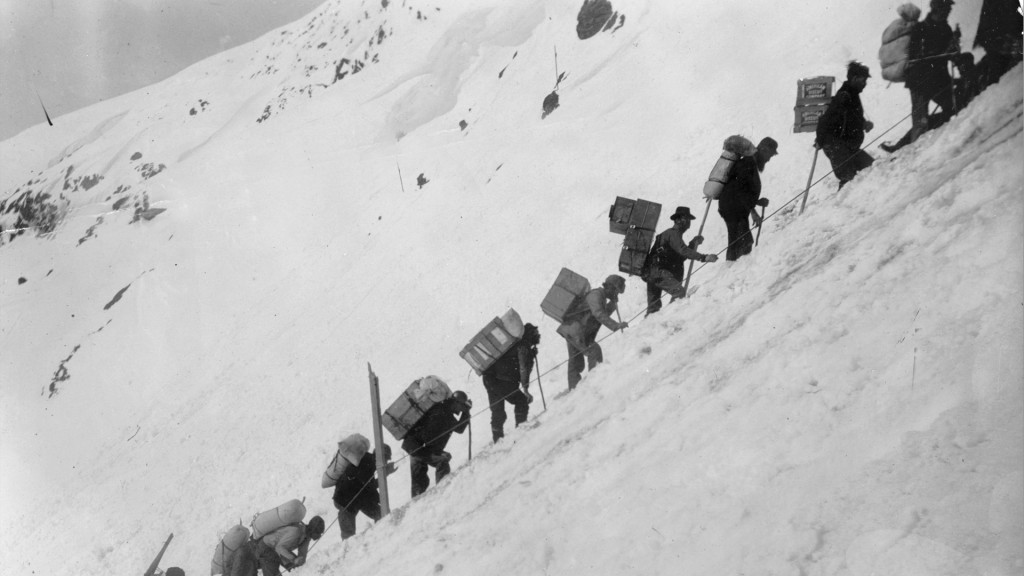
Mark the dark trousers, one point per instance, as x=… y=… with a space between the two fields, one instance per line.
x=662 y=281
x=419 y=468
x=499 y=392
x=741 y=241
x=588 y=349
x=920 y=99
x=252 y=556
x=347 y=516
x=847 y=160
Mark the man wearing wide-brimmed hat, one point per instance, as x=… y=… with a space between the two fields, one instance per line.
x=667 y=259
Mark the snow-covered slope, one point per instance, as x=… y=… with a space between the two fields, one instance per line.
x=846 y=400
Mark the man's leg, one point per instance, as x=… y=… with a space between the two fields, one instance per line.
x=522 y=406
x=653 y=297
x=594 y=355
x=734 y=230
x=347 y=523
x=270 y=562
x=497 y=403
x=918 y=112
x=442 y=470
x=420 y=480
x=745 y=244
x=575 y=365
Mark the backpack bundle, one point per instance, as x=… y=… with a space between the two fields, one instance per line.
x=894 y=54
x=734 y=148
x=350 y=451
x=291 y=512
x=232 y=540
x=414 y=402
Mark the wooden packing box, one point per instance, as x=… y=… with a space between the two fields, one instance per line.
x=567 y=288
x=627 y=213
x=635 y=247
x=493 y=341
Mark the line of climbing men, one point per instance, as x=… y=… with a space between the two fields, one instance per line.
x=914 y=52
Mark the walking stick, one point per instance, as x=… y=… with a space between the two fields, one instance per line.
x=156 y=561
x=700 y=232
x=470 y=426
x=759 y=224
x=803 y=203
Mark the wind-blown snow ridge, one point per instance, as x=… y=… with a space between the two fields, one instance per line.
x=844 y=401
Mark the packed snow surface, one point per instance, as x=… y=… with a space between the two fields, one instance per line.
x=228 y=252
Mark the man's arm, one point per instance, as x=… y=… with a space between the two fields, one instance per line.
x=595 y=303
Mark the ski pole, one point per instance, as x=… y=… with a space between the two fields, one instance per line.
x=700 y=232
x=759 y=224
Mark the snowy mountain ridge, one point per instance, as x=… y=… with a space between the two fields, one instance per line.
x=846 y=400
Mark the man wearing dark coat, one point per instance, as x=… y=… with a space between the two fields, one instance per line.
x=932 y=45
x=741 y=196
x=667 y=260
x=841 y=128
x=356 y=491
x=426 y=440
x=505 y=377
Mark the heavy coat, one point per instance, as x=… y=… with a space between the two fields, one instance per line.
x=670 y=252
x=843 y=121
x=429 y=436
x=514 y=366
x=350 y=493
x=742 y=191
x=931 y=44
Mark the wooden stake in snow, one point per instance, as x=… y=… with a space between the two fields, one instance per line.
x=378 y=438
x=156 y=561
x=803 y=203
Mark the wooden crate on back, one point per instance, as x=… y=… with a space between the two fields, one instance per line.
x=637 y=220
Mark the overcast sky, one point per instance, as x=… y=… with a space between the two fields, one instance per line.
x=72 y=53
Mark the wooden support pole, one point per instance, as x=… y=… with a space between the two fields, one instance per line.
x=803 y=203
x=156 y=561
x=378 y=438
x=700 y=232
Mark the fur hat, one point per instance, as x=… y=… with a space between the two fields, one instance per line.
x=615 y=281
x=909 y=12
x=857 y=70
x=739 y=145
x=531 y=335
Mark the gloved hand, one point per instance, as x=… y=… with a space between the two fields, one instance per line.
x=697 y=240
x=711 y=258
x=756 y=218
x=298 y=562
x=763 y=202
x=868 y=125
x=623 y=325
x=529 y=397
x=469 y=404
